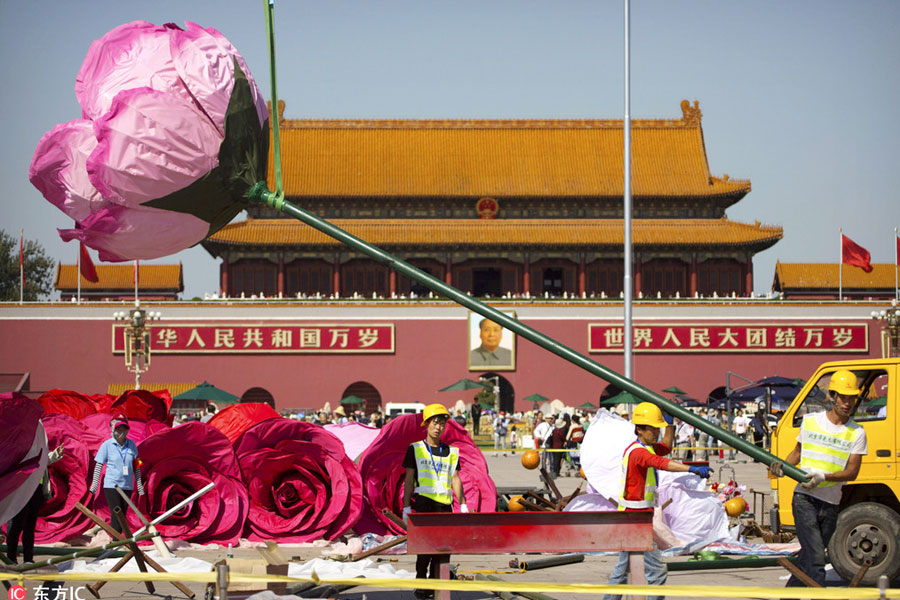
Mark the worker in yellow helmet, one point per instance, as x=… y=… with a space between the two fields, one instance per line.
x=640 y=461
x=432 y=480
x=830 y=448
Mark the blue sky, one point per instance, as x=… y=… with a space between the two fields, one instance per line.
x=800 y=97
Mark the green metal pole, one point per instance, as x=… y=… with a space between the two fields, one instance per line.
x=259 y=193
x=80 y=553
x=54 y=551
x=525 y=331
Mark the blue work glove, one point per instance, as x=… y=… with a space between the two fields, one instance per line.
x=668 y=419
x=700 y=472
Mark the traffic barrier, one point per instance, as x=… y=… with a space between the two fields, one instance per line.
x=681 y=591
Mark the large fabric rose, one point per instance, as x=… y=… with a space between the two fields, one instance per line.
x=144 y=405
x=69 y=481
x=180 y=461
x=23 y=452
x=67 y=402
x=173 y=135
x=381 y=466
x=236 y=419
x=302 y=485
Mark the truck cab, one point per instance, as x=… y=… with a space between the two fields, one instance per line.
x=868 y=527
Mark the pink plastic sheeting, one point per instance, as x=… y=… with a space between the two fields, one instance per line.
x=302 y=484
x=59 y=520
x=23 y=452
x=181 y=461
x=355 y=437
x=236 y=419
x=381 y=466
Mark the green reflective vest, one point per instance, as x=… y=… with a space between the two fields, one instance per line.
x=649 y=500
x=824 y=451
x=434 y=473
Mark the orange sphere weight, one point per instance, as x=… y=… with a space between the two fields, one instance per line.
x=735 y=507
x=531 y=459
x=515 y=505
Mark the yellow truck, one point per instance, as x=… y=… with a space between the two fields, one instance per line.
x=868 y=526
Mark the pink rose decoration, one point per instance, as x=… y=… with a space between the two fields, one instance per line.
x=172 y=137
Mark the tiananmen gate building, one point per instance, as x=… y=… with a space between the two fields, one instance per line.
x=497 y=208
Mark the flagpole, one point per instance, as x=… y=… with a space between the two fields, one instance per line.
x=78 y=272
x=896 y=266
x=628 y=286
x=841 y=266
x=21 y=266
x=136 y=265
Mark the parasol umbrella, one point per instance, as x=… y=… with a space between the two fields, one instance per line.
x=784 y=387
x=467 y=384
x=536 y=398
x=209 y=392
x=621 y=398
x=688 y=401
x=351 y=399
x=587 y=405
x=674 y=389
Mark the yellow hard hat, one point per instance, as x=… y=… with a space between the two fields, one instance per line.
x=647 y=413
x=844 y=383
x=433 y=410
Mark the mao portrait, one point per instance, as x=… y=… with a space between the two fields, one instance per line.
x=490 y=346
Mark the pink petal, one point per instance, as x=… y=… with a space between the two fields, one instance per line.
x=149 y=145
x=130 y=56
x=205 y=39
x=58 y=169
x=204 y=60
x=122 y=233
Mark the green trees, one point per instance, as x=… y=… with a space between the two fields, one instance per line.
x=38 y=269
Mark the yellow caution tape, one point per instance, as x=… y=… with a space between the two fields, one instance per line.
x=683 y=591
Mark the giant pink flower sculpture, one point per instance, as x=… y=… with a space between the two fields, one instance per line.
x=302 y=485
x=173 y=134
x=381 y=466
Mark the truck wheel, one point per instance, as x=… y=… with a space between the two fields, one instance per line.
x=867 y=530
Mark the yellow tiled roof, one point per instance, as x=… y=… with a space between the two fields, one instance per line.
x=502 y=232
x=826 y=276
x=117 y=389
x=121 y=277
x=499 y=158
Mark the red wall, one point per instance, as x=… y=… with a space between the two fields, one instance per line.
x=70 y=347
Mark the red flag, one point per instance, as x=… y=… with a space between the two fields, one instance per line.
x=87 y=265
x=855 y=255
